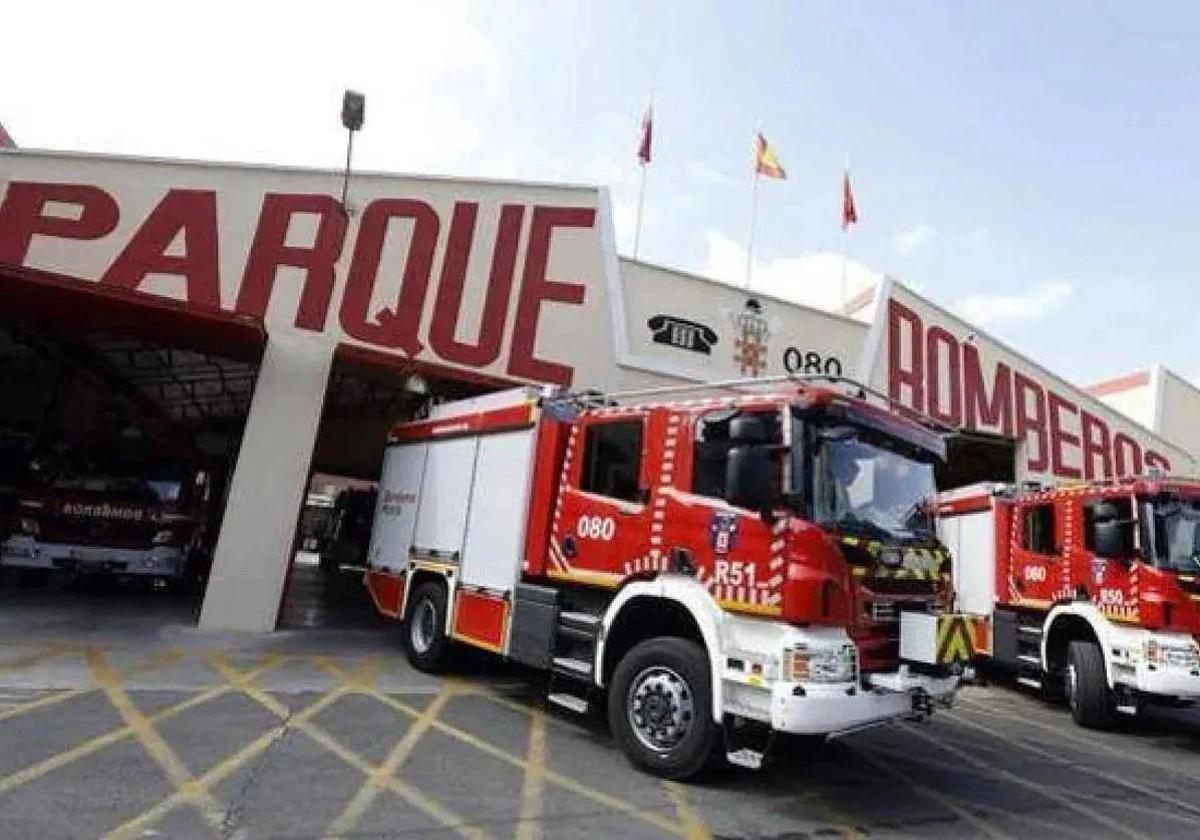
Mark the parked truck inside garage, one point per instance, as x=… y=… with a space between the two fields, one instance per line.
x=722 y=568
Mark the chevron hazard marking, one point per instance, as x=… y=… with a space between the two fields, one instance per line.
x=954 y=639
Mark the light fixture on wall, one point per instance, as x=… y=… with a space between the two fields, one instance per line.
x=354 y=112
x=416 y=384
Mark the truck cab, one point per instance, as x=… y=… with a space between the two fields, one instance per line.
x=745 y=563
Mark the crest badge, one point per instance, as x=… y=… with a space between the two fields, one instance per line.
x=722 y=532
x=751 y=332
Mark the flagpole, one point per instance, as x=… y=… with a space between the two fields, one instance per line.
x=753 y=220
x=845 y=234
x=637 y=231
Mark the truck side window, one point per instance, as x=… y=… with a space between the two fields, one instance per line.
x=1037 y=533
x=710 y=454
x=1124 y=509
x=612 y=460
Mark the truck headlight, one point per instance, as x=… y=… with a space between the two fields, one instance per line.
x=820 y=665
x=1183 y=655
x=30 y=526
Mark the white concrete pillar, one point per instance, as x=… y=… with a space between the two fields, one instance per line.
x=268 y=486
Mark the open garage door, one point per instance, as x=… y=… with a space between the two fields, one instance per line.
x=120 y=419
x=367 y=395
x=973 y=457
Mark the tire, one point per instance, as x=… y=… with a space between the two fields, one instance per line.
x=1086 y=686
x=424 y=628
x=666 y=671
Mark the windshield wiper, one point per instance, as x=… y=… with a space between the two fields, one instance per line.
x=863 y=527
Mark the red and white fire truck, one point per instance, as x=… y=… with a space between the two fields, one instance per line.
x=1091 y=590
x=102 y=524
x=724 y=567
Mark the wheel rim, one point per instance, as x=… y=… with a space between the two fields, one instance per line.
x=424 y=626
x=1072 y=687
x=661 y=708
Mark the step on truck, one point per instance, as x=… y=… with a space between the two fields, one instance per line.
x=1089 y=592
x=719 y=568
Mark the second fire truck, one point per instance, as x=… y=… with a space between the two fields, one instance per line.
x=720 y=568
x=1088 y=591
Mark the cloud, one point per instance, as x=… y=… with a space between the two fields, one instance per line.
x=910 y=239
x=980 y=236
x=702 y=173
x=1031 y=304
x=811 y=279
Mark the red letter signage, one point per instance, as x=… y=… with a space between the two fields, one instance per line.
x=23 y=216
x=192 y=212
x=536 y=288
x=270 y=251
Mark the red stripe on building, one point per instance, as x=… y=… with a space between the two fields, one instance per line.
x=1121 y=383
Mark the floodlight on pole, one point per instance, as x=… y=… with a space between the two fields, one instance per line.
x=354 y=111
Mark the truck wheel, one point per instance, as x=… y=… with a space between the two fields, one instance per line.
x=424 y=628
x=1086 y=686
x=660 y=708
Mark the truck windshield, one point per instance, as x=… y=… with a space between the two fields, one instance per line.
x=1177 y=533
x=865 y=485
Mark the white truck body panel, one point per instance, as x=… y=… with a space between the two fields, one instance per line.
x=462 y=499
x=499 y=501
x=444 y=497
x=396 y=507
x=971 y=541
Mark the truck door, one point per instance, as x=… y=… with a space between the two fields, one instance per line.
x=601 y=524
x=1110 y=581
x=1036 y=572
x=733 y=549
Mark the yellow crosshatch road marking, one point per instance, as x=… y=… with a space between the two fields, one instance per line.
x=534 y=786
x=94 y=745
x=154 y=663
x=137 y=826
x=608 y=801
x=154 y=744
x=378 y=780
x=350 y=683
x=692 y=824
x=37 y=657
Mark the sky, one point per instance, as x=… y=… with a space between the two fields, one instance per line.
x=1031 y=165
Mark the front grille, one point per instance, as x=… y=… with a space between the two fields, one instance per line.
x=883 y=611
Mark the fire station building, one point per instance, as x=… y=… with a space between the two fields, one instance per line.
x=241 y=320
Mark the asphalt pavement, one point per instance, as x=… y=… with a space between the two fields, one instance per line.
x=160 y=730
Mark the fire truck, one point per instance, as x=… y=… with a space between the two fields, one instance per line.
x=721 y=568
x=1089 y=592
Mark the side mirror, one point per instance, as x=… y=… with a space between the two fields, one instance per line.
x=748 y=477
x=1111 y=538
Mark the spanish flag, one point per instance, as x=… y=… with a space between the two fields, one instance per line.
x=765 y=162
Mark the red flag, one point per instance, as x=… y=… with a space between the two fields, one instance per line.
x=849 y=211
x=647 y=133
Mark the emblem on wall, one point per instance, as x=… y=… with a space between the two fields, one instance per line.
x=751 y=332
x=682 y=333
x=722 y=532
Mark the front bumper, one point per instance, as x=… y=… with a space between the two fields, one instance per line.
x=1130 y=667
x=833 y=709
x=755 y=685
x=25 y=552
